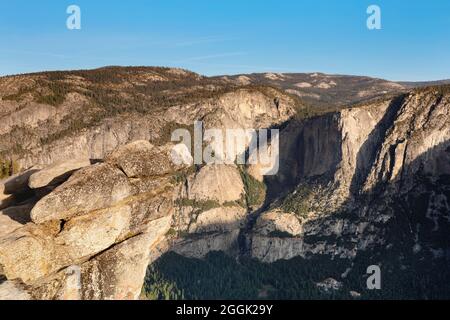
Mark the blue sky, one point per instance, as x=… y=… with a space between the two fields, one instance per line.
x=230 y=36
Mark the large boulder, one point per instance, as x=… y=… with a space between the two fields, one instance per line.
x=56 y=172
x=97 y=187
x=89 y=234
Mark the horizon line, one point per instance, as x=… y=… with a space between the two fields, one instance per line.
x=221 y=75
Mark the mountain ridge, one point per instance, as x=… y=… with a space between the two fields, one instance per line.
x=95 y=204
x=42 y=108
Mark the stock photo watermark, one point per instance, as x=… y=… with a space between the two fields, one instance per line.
x=228 y=146
x=374 y=19
x=73 y=22
x=374 y=279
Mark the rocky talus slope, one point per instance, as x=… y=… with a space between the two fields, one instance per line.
x=84 y=217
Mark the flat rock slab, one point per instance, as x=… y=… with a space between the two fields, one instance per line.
x=56 y=172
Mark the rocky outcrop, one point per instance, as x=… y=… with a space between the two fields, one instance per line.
x=92 y=237
x=279 y=222
x=271 y=249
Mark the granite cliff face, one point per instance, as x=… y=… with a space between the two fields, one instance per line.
x=357 y=174
x=94 y=204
